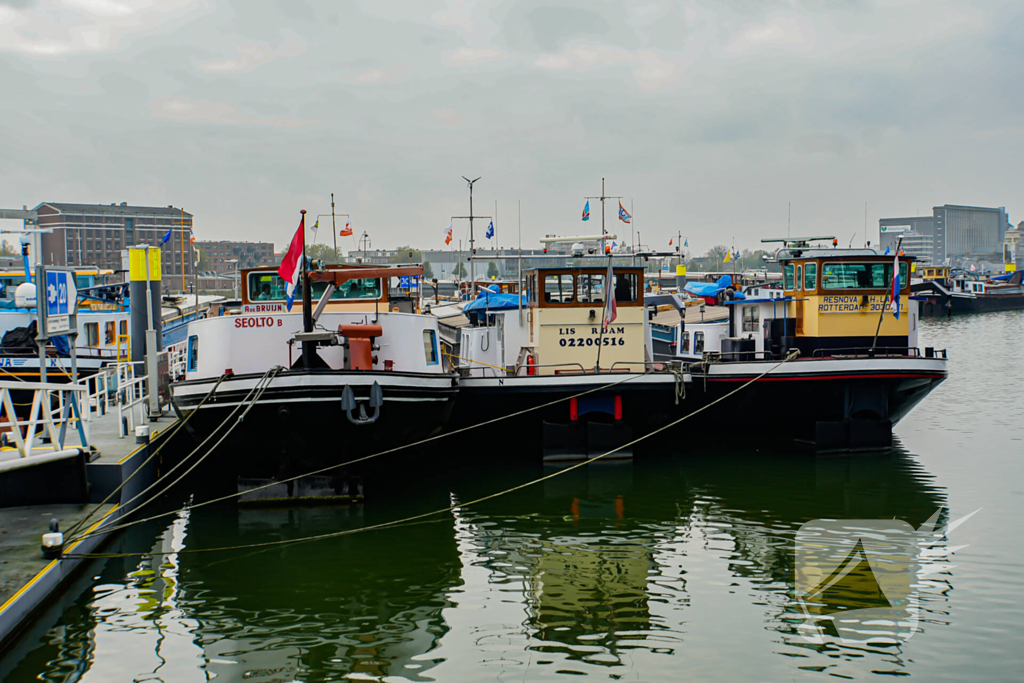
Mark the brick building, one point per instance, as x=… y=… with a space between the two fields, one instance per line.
x=221 y=256
x=96 y=234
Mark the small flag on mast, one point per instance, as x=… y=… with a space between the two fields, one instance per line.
x=624 y=215
x=167 y=237
x=448 y=234
x=316 y=226
x=586 y=211
x=490 y=231
x=686 y=242
x=670 y=241
x=346 y=231
x=728 y=257
x=894 y=304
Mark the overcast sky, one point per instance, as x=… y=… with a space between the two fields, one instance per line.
x=708 y=116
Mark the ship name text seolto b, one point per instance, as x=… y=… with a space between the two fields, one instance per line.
x=858 y=368
x=352 y=369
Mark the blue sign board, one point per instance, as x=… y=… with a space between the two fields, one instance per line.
x=57 y=293
x=405 y=281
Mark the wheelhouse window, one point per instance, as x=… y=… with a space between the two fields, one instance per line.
x=559 y=288
x=799 y=277
x=810 y=276
x=626 y=288
x=686 y=342
x=430 y=346
x=264 y=286
x=92 y=334
x=109 y=332
x=860 y=275
x=751 y=318
x=787 y=275
x=698 y=342
x=590 y=288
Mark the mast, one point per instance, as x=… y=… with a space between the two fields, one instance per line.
x=602 y=198
x=334 y=229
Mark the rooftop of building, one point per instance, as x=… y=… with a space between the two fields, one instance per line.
x=122 y=209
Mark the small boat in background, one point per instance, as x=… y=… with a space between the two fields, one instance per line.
x=946 y=291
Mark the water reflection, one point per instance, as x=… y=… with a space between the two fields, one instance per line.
x=618 y=570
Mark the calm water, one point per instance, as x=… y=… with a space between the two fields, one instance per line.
x=653 y=571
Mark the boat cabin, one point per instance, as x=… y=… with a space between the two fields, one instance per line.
x=559 y=328
x=832 y=303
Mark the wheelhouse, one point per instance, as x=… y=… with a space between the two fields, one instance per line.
x=566 y=308
x=264 y=291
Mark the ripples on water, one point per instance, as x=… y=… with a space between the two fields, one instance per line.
x=680 y=568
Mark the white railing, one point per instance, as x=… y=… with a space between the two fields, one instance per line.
x=53 y=408
x=131 y=398
x=177 y=358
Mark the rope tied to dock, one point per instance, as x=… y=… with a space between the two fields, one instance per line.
x=414 y=518
x=82 y=522
x=364 y=458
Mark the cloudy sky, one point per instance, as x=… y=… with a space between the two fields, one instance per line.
x=710 y=116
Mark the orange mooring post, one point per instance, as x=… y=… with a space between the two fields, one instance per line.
x=360 y=345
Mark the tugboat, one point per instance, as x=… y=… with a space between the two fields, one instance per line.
x=946 y=291
x=573 y=330
x=857 y=370
x=355 y=372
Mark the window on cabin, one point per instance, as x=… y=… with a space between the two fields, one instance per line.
x=698 y=342
x=430 y=346
x=686 y=342
x=92 y=334
x=590 y=288
x=558 y=288
x=751 y=318
x=193 y=353
x=787 y=276
x=860 y=275
x=122 y=328
x=626 y=288
x=109 y=333
x=810 y=276
x=799 y=277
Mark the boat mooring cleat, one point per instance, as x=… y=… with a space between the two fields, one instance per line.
x=53 y=542
x=348 y=404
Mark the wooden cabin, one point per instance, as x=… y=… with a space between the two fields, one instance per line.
x=565 y=310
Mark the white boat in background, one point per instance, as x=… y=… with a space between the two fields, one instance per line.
x=103 y=314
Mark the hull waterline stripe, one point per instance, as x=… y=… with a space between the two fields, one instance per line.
x=713 y=378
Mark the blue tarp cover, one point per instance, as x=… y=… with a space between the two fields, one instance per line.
x=711 y=289
x=490 y=300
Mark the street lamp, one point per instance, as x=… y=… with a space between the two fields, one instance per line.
x=237 y=276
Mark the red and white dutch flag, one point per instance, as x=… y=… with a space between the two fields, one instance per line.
x=611 y=310
x=894 y=297
x=291 y=264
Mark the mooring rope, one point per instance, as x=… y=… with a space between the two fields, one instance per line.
x=451 y=508
x=181 y=424
x=118 y=527
x=167 y=440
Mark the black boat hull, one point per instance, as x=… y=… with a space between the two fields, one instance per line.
x=832 y=404
x=298 y=424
